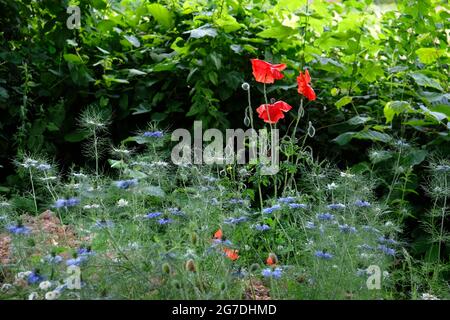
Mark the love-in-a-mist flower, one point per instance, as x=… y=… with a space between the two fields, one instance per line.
x=304 y=86
x=266 y=72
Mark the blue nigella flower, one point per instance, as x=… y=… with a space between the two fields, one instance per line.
x=236 y=201
x=386 y=250
x=44 y=167
x=310 y=225
x=325 y=216
x=176 y=211
x=362 y=203
x=164 y=221
x=297 y=206
x=18 y=229
x=386 y=240
x=277 y=273
x=267 y=272
x=323 y=255
x=262 y=227
x=103 y=224
x=153 y=134
x=82 y=251
x=336 y=206
x=271 y=209
x=53 y=259
x=235 y=220
x=347 y=229
x=371 y=229
x=286 y=200
x=34 y=278
x=153 y=215
x=76 y=261
x=365 y=247
x=125 y=184
x=64 y=203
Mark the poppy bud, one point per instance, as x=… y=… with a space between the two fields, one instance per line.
x=194 y=238
x=166 y=268
x=254 y=267
x=272 y=259
x=190 y=265
x=245 y=86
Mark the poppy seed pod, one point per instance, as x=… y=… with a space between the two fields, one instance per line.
x=254 y=267
x=194 y=238
x=190 y=265
x=272 y=259
x=245 y=86
x=166 y=268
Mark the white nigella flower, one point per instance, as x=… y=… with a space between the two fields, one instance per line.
x=45 y=285
x=52 y=295
x=346 y=175
x=33 y=296
x=5 y=287
x=332 y=186
x=91 y=206
x=122 y=203
x=427 y=296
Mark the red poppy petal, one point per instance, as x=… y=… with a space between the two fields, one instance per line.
x=283 y=106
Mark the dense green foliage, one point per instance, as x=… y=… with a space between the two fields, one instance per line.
x=380 y=71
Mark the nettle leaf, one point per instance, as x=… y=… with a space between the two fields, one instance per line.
x=373 y=136
x=135 y=72
x=423 y=81
x=277 y=32
x=133 y=40
x=429 y=55
x=357 y=120
x=343 y=102
x=393 y=108
x=161 y=15
x=73 y=58
x=204 y=31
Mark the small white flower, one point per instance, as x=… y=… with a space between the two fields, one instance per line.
x=427 y=296
x=389 y=224
x=332 y=186
x=45 y=285
x=5 y=287
x=385 y=274
x=27 y=273
x=52 y=295
x=91 y=206
x=33 y=296
x=122 y=203
x=20 y=275
x=346 y=175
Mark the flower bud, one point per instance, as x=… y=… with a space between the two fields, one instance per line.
x=190 y=265
x=245 y=86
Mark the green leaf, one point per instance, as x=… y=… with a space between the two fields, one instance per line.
x=277 y=32
x=161 y=15
x=76 y=136
x=344 y=138
x=73 y=58
x=343 y=102
x=357 y=120
x=429 y=55
x=72 y=43
x=154 y=191
x=423 y=81
x=415 y=157
x=135 y=72
x=228 y=23
x=201 y=32
x=393 y=108
x=133 y=40
x=373 y=136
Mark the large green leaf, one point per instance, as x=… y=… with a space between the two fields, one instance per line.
x=429 y=55
x=161 y=15
x=343 y=102
x=393 y=108
x=423 y=81
x=277 y=32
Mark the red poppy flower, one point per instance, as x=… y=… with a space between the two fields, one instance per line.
x=304 y=86
x=231 y=254
x=272 y=113
x=266 y=72
x=218 y=234
x=270 y=261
